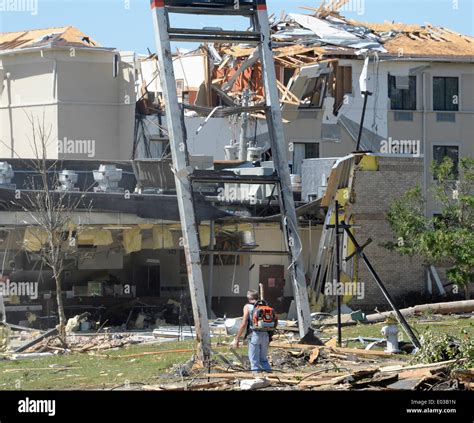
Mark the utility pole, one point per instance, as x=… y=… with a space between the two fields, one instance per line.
x=366 y=94
x=244 y=128
x=338 y=276
x=210 y=285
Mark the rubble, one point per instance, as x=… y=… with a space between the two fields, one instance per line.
x=299 y=366
x=4 y=337
x=74 y=324
x=303 y=40
x=303 y=43
x=301 y=370
x=48 y=343
x=253 y=384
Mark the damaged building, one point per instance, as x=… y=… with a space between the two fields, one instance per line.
x=129 y=252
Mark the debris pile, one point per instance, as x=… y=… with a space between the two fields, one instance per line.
x=436 y=348
x=301 y=40
x=83 y=344
x=304 y=367
x=4 y=337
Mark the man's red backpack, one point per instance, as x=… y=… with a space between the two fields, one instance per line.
x=263 y=317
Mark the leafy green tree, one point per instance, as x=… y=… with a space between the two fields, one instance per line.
x=446 y=239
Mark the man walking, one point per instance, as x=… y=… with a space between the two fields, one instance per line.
x=259 y=340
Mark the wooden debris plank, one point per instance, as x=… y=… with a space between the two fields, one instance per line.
x=418 y=366
x=377 y=380
x=175 y=387
x=285 y=91
x=311 y=9
x=147 y=354
x=208 y=385
x=249 y=375
x=153 y=388
x=291 y=103
x=286 y=62
x=313 y=383
x=314 y=356
x=295 y=60
x=224 y=62
x=415 y=373
x=291 y=346
x=363 y=353
x=355 y=351
x=293 y=50
x=35 y=341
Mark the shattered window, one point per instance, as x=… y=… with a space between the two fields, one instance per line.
x=451 y=151
x=314 y=92
x=401 y=96
x=445 y=93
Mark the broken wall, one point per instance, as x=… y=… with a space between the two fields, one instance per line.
x=374 y=191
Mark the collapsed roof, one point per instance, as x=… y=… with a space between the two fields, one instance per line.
x=320 y=39
x=48 y=37
x=332 y=34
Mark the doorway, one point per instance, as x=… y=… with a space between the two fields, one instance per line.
x=272 y=277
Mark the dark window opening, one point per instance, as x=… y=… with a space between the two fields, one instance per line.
x=402 y=92
x=446 y=93
x=288 y=73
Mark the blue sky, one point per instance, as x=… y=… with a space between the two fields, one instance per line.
x=126 y=24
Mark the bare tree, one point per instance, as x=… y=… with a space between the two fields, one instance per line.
x=51 y=210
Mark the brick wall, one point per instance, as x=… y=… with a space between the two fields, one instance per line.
x=373 y=193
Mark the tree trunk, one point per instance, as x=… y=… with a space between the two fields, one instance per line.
x=62 y=316
x=467 y=291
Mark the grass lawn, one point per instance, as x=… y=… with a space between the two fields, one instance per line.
x=83 y=371
x=113 y=369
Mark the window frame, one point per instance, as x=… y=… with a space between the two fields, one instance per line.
x=444 y=107
x=404 y=94
x=310 y=106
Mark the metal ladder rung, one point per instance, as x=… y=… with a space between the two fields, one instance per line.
x=210 y=11
x=231 y=178
x=185 y=34
x=226 y=111
x=201 y=39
